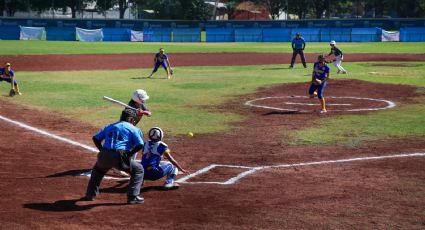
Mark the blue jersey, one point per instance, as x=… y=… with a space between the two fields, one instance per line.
x=298 y=43
x=5 y=73
x=320 y=72
x=120 y=136
x=159 y=58
x=152 y=153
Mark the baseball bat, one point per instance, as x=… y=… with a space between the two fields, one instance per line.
x=118 y=102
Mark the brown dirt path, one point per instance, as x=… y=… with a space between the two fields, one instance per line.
x=134 y=61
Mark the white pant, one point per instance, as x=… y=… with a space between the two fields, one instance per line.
x=337 y=63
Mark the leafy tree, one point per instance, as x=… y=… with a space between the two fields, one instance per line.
x=11 y=7
x=274 y=7
x=74 y=5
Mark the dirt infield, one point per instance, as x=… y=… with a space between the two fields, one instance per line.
x=39 y=191
x=134 y=61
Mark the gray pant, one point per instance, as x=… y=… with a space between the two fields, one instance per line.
x=107 y=159
x=294 y=55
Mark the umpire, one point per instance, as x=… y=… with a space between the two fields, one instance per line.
x=298 y=45
x=122 y=140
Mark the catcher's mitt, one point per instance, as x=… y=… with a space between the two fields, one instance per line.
x=317 y=81
x=12 y=93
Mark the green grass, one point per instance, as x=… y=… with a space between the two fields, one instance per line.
x=188 y=101
x=67 y=47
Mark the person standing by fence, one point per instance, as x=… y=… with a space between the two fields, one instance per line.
x=298 y=45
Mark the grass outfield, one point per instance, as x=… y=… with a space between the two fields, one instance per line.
x=185 y=102
x=8 y=47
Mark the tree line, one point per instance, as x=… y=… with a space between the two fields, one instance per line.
x=199 y=10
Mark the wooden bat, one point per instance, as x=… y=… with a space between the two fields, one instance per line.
x=118 y=102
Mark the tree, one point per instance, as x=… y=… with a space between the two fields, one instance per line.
x=11 y=7
x=74 y=5
x=274 y=7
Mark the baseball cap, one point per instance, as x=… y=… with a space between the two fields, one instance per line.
x=7 y=64
x=332 y=43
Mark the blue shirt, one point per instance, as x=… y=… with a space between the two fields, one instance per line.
x=10 y=74
x=120 y=136
x=298 y=43
x=152 y=153
x=320 y=72
x=160 y=59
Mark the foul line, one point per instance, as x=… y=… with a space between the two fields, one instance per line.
x=252 y=170
x=45 y=133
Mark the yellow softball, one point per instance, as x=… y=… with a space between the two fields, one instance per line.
x=190 y=134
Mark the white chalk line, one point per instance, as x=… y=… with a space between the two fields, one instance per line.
x=249 y=170
x=45 y=133
x=252 y=170
x=311 y=104
x=251 y=103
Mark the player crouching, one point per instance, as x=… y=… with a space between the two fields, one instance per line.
x=155 y=169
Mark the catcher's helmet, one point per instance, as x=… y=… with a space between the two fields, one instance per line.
x=156 y=134
x=139 y=96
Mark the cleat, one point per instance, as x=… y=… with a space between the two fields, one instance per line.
x=135 y=200
x=171 y=186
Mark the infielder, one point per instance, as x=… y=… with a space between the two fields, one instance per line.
x=155 y=169
x=121 y=140
x=7 y=74
x=338 y=57
x=320 y=76
x=161 y=59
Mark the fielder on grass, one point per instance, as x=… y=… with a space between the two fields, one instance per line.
x=161 y=59
x=7 y=74
x=338 y=57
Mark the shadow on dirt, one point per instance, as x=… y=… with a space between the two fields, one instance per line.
x=67 y=206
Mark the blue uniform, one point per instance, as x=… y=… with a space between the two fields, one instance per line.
x=321 y=73
x=160 y=61
x=298 y=43
x=7 y=75
x=151 y=161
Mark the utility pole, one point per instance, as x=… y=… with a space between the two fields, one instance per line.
x=215 y=10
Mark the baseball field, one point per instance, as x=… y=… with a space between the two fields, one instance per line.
x=262 y=157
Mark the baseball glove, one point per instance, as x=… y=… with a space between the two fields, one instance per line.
x=12 y=93
x=317 y=81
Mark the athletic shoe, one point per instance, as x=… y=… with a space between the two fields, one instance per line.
x=323 y=111
x=339 y=71
x=168 y=77
x=291 y=66
x=345 y=72
x=171 y=186
x=135 y=200
x=19 y=93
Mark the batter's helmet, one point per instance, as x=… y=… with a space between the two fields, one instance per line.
x=139 y=96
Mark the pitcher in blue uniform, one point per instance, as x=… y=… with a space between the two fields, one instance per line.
x=153 y=152
x=121 y=140
x=320 y=76
x=7 y=74
x=161 y=59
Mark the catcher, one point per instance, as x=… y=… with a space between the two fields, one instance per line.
x=7 y=74
x=320 y=76
x=161 y=59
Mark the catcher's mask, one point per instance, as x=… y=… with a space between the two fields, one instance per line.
x=130 y=116
x=156 y=134
x=139 y=96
